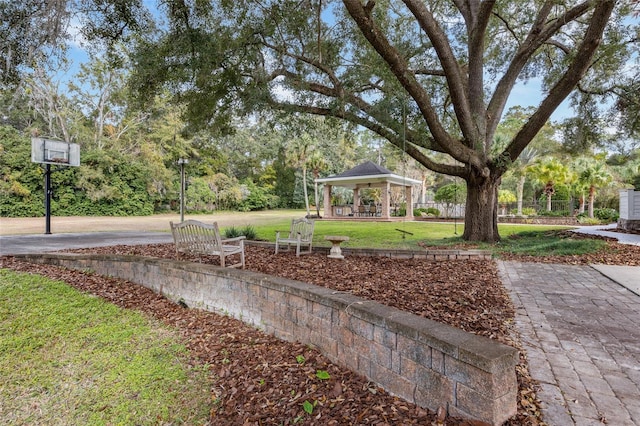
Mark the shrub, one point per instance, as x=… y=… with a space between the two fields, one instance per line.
x=451 y=193
x=248 y=231
x=257 y=198
x=585 y=220
x=431 y=211
x=528 y=211
x=232 y=232
x=12 y=206
x=401 y=211
x=434 y=211
x=554 y=213
x=199 y=196
x=606 y=215
x=505 y=196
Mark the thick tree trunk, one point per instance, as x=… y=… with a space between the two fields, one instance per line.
x=315 y=191
x=592 y=197
x=481 y=215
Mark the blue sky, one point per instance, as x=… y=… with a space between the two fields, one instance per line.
x=530 y=94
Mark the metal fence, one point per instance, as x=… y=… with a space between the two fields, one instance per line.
x=446 y=210
x=558 y=207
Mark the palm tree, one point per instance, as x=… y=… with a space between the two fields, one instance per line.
x=298 y=157
x=550 y=171
x=316 y=163
x=593 y=173
x=580 y=187
x=505 y=197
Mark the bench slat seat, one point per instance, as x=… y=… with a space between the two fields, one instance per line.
x=195 y=237
x=300 y=234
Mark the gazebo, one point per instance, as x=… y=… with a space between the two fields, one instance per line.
x=367 y=176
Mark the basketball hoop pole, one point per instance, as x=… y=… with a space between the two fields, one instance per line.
x=47 y=198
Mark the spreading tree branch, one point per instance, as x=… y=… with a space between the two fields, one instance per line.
x=398 y=65
x=581 y=62
x=541 y=31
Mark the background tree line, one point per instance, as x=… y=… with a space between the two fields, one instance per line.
x=129 y=156
x=431 y=80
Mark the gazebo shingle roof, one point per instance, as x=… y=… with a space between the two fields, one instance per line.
x=367 y=173
x=365 y=169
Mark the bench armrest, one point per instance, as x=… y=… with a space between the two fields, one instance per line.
x=231 y=240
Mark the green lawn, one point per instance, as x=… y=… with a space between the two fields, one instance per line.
x=370 y=234
x=545 y=243
x=523 y=239
x=71 y=358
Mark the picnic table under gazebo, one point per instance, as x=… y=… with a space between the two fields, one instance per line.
x=367 y=175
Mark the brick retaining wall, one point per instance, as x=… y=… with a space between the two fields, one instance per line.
x=541 y=220
x=423 y=361
x=427 y=254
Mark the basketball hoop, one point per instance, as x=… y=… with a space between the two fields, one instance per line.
x=58 y=153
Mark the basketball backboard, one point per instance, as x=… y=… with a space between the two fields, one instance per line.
x=48 y=151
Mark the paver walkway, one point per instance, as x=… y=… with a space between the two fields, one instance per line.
x=582 y=335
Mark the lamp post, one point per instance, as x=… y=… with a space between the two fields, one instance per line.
x=182 y=162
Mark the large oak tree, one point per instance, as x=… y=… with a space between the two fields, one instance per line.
x=427 y=76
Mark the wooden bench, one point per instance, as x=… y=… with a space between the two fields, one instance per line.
x=300 y=234
x=194 y=237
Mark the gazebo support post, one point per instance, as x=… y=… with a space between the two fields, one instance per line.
x=409 y=197
x=328 y=211
x=356 y=199
x=386 y=210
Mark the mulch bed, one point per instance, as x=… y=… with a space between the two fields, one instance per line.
x=256 y=378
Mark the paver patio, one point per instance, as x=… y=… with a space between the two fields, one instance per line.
x=582 y=335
